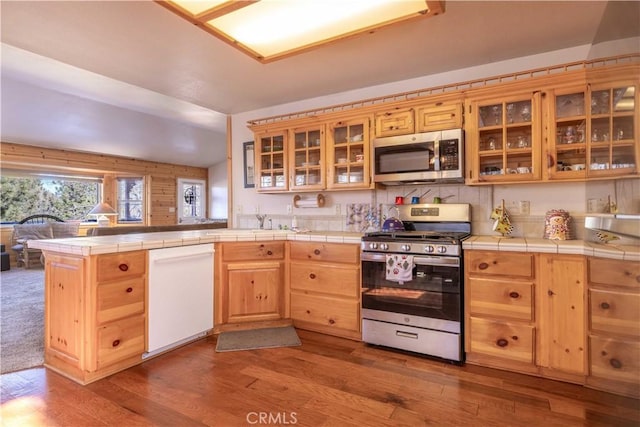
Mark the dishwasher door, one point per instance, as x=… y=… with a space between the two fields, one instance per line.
x=180 y=293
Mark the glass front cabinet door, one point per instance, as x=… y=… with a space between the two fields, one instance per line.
x=271 y=165
x=307 y=158
x=504 y=139
x=594 y=132
x=348 y=154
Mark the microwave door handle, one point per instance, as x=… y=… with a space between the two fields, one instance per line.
x=436 y=148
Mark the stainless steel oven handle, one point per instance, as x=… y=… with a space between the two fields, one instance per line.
x=417 y=259
x=404 y=334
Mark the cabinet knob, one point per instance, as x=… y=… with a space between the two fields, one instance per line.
x=615 y=364
x=123 y=267
x=269 y=253
x=502 y=342
x=605 y=305
x=514 y=295
x=550 y=293
x=331 y=321
x=316 y=251
x=312 y=276
x=129 y=290
x=115 y=343
x=483 y=266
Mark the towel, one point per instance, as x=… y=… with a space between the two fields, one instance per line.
x=399 y=268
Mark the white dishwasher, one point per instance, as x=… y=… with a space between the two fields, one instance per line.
x=180 y=296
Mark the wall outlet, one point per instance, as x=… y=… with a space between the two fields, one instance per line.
x=257 y=209
x=238 y=209
x=337 y=208
x=172 y=209
x=289 y=209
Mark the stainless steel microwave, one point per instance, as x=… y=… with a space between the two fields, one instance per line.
x=419 y=158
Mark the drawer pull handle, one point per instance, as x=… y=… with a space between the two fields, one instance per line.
x=123 y=267
x=514 y=295
x=129 y=290
x=312 y=276
x=605 y=306
x=115 y=343
x=502 y=342
x=331 y=321
x=316 y=251
x=404 y=334
x=483 y=266
x=615 y=363
x=269 y=253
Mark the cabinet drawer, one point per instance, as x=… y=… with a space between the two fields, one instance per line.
x=614 y=359
x=614 y=312
x=500 y=263
x=120 y=299
x=329 y=252
x=438 y=117
x=326 y=278
x=507 y=340
x=121 y=265
x=252 y=251
x=120 y=340
x=501 y=298
x=327 y=311
x=396 y=122
x=614 y=272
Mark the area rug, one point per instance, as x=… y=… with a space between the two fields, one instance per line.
x=258 y=338
x=21 y=319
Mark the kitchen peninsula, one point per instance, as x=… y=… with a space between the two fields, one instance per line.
x=96 y=291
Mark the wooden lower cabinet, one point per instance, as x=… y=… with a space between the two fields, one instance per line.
x=95 y=313
x=526 y=312
x=614 y=325
x=250 y=283
x=567 y=317
x=325 y=287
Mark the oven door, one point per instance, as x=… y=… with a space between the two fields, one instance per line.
x=433 y=291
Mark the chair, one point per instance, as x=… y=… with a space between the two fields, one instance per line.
x=39 y=226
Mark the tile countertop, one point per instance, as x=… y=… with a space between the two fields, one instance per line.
x=95 y=245
x=578 y=247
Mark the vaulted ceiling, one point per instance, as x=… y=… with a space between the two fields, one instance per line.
x=130 y=78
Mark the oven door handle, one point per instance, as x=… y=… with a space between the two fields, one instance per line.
x=417 y=259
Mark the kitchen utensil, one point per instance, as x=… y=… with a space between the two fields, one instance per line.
x=393 y=223
x=415 y=200
x=399 y=200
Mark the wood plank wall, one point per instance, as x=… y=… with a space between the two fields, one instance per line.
x=160 y=178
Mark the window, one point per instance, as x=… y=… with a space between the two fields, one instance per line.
x=67 y=197
x=192 y=200
x=130 y=200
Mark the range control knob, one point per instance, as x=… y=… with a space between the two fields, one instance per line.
x=384 y=246
x=429 y=248
x=405 y=248
x=442 y=249
x=373 y=245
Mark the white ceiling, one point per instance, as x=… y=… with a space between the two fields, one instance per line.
x=131 y=78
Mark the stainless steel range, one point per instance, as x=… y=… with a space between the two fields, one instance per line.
x=412 y=281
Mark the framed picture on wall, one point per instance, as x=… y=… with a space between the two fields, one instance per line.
x=249 y=164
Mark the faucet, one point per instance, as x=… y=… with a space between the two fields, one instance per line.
x=261 y=219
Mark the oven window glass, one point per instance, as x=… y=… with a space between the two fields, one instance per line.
x=433 y=291
x=415 y=157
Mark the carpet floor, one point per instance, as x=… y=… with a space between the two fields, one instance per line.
x=21 y=319
x=258 y=338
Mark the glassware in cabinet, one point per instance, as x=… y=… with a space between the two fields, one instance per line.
x=271 y=162
x=348 y=154
x=611 y=138
x=307 y=158
x=505 y=139
x=568 y=147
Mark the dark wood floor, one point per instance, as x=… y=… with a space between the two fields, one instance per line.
x=325 y=382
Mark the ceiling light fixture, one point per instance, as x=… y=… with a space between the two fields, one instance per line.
x=269 y=30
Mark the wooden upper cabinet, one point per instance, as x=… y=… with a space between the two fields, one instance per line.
x=348 y=154
x=271 y=168
x=503 y=139
x=398 y=121
x=439 y=116
x=307 y=158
